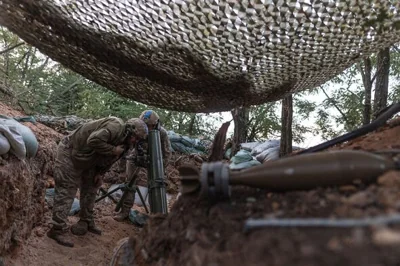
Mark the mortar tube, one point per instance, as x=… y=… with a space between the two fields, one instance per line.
x=315 y=170
x=156 y=186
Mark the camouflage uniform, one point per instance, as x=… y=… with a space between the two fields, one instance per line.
x=86 y=153
x=128 y=166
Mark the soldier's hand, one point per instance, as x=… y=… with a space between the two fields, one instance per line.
x=118 y=150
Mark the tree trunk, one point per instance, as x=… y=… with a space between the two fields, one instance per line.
x=367 y=81
x=286 y=131
x=217 y=151
x=240 y=117
x=191 y=125
x=382 y=81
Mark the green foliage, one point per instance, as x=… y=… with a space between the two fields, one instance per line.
x=43 y=86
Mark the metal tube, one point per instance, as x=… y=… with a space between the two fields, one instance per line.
x=320 y=222
x=157 y=191
x=107 y=194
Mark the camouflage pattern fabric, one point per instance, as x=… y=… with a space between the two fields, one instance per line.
x=67 y=180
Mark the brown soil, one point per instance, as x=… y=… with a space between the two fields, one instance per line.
x=199 y=233
x=22 y=186
x=88 y=250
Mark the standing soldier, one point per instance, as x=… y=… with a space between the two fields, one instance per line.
x=82 y=158
x=151 y=119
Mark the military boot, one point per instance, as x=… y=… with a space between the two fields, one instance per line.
x=80 y=228
x=61 y=237
x=123 y=214
x=93 y=228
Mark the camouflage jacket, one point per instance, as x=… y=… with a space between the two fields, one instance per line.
x=165 y=146
x=92 y=143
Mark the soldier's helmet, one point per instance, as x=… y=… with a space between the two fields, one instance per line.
x=149 y=117
x=138 y=127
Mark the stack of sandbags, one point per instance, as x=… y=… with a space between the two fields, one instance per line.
x=264 y=151
x=63 y=124
x=17 y=139
x=187 y=145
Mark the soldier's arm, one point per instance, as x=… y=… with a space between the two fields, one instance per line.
x=165 y=147
x=99 y=141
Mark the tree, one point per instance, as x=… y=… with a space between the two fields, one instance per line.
x=286 y=131
x=382 y=80
x=241 y=119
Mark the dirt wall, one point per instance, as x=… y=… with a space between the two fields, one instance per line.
x=23 y=184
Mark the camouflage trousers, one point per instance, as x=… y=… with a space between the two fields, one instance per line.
x=130 y=168
x=67 y=181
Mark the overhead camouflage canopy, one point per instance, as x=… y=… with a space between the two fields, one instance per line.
x=204 y=56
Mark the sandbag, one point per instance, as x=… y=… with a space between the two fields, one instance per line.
x=17 y=145
x=266 y=145
x=177 y=146
x=249 y=146
x=75 y=208
x=4 y=145
x=227 y=154
x=186 y=144
x=244 y=165
x=173 y=137
x=272 y=155
x=241 y=156
x=49 y=198
x=261 y=157
x=29 y=138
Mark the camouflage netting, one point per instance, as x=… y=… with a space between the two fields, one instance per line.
x=205 y=56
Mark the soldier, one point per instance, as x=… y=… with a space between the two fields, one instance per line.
x=151 y=119
x=82 y=158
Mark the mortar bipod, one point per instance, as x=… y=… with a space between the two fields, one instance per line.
x=130 y=186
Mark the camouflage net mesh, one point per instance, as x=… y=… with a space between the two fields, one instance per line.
x=205 y=56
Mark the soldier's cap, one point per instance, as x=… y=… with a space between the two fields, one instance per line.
x=137 y=127
x=149 y=117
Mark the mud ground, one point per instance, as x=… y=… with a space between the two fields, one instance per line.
x=90 y=249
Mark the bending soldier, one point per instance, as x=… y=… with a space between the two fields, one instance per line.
x=151 y=119
x=82 y=158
